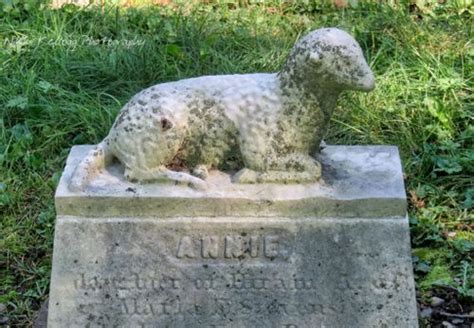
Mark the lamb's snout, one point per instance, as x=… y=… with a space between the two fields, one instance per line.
x=364 y=77
x=367 y=83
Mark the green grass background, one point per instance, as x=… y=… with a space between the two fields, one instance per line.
x=64 y=74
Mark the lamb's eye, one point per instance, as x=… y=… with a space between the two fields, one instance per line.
x=166 y=124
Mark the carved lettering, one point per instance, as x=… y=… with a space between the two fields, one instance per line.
x=254 y=246
x=210 y=247
x=136 y=306
x=133 y=281
x=186 y=248
x=250 y=282
x=138 y=281
x=236 y=246
x=271 y=246
x=233 y=247
x=204 y=283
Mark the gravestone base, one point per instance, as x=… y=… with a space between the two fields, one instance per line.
x=331 y=254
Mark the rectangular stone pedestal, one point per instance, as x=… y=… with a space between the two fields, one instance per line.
x=332 y=254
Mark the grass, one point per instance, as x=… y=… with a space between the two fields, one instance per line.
x=64 y=74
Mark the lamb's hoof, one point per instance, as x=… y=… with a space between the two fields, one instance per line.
x=130 y=177
x=246 y=176
x=199 y=184
x=200 y=171
x=317 y=170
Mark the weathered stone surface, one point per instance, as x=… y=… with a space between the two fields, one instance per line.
x=237 y=255
x=267 y=126
x=358 y=181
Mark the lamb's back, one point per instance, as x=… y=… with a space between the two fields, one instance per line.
x=241 y=97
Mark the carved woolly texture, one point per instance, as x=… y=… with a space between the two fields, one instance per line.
x=268 y=125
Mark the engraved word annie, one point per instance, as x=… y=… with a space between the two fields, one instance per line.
x=230 y=247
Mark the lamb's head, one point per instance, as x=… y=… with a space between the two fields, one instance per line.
x=330 y=57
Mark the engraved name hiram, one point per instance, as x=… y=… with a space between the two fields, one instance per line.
x=231 y=246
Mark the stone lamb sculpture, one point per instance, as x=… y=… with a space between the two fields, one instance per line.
x=272 y=123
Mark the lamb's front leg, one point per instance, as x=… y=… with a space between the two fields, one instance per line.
x=164 y=174
x=293 y=168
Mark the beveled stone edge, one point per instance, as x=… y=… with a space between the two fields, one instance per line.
x=185 y=207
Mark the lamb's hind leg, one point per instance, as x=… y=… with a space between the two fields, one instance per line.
x=201 y=171
x=294 y=168
x=163 y=174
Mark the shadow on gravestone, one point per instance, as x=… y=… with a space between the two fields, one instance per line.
x=42 y=316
